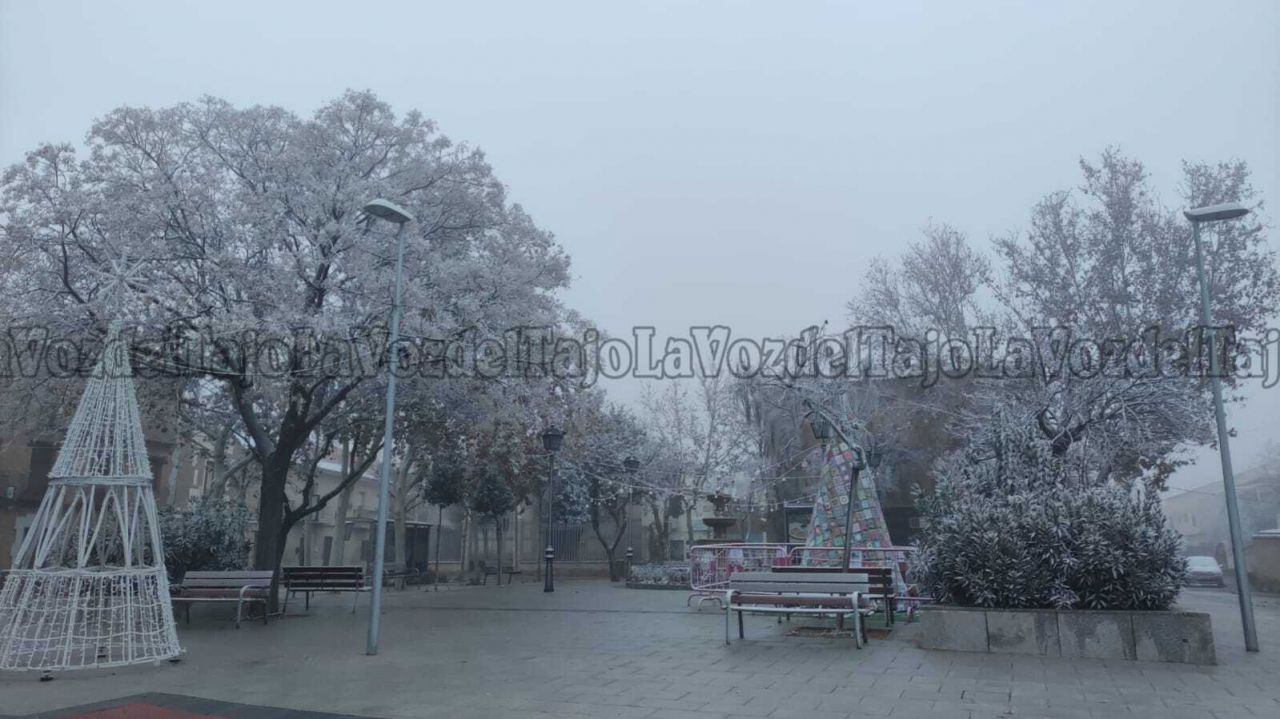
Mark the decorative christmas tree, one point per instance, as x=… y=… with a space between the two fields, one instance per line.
x=88 y=588
x=870 y=540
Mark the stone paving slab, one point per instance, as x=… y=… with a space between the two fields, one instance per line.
x=595 y=649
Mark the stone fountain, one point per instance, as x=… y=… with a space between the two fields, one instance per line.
x=720 y=523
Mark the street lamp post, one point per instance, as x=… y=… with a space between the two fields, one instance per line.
x=551 y=441
x=391 y=212
x=1197 y=216
x=631 y=465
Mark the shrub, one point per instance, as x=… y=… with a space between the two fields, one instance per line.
x=1008 y=527
x=212 y=535
x=660 y=574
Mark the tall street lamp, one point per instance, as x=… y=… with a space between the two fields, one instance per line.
x=631 y=465
x=822 y=428
x=551 y=441
x=391 y=212
x=1198 y=216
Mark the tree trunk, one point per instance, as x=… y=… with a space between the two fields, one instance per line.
x=658 y=533
x=497 y=530
x=464 y=536
x=269 y=543
x=401 y=517
x=439 y=534
x=267 y=546
x=337 y=553
x=515 y=537
x=171 y=485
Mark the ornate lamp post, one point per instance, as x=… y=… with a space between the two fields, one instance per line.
x=551 y=441
x=1197 y=216
x=391 y=212
x=631 y=465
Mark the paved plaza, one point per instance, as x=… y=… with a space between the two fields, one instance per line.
x=595 y=649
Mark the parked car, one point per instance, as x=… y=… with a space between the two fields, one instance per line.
x=1203 y=572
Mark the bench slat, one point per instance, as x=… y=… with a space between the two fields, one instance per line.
x=224 y=583
x=188 y=593
x=792 y=600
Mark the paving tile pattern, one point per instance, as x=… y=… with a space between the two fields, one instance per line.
x=593 y=649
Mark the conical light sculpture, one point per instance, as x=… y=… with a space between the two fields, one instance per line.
x=88 y=588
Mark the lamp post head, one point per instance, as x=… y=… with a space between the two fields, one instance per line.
x=552 y=439
x=1213 y=213
x=631 y=464
x=387 y=210
x=874 y=457
x=821 y=427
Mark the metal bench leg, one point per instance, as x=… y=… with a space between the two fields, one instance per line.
x=740 y=634
x=355 y=602
x=239 y=606
x=857 y=622
x=308 y=600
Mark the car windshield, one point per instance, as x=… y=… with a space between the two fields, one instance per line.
x=1202 y=563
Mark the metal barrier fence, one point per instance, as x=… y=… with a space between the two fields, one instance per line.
x=894 y=556
x=711 y=565
x=897 y=557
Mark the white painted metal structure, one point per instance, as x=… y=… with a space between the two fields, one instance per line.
x=88 y=589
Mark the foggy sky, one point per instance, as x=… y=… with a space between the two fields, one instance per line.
x=715 y=163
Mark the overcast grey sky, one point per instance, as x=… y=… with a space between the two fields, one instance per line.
x=714 y=162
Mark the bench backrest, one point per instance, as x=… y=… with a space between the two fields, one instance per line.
x=342 y=577
x=799 y=582
x=880 y=578
x=227 y=580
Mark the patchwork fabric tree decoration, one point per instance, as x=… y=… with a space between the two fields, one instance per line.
x=872 y=546
x=88 y=588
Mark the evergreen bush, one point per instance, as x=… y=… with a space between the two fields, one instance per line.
x=1008 y=526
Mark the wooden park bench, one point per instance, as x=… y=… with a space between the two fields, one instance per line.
x=820 y=593
x=305 y=580
x=488 y=571
x=881 y=585
x=241 y=587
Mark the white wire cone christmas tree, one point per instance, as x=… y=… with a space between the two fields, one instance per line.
x=88 y=588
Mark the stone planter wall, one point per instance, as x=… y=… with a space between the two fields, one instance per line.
x=1184 y=637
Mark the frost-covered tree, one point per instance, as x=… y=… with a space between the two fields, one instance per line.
x=491 y=497
x=245 y=223
x=705 y=439
x=596 y=486
x=1111 y=262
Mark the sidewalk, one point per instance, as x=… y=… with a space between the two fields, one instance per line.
x=596 y=649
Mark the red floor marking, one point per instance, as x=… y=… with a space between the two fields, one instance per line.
x=141 y=711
